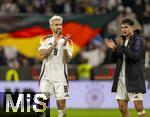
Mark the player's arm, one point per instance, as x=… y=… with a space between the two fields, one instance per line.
x=44 y=53
x=67 y=51
x=45 y=50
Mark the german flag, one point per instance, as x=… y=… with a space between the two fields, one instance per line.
x=27 y=40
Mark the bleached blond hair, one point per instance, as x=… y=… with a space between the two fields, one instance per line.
x=55 y=17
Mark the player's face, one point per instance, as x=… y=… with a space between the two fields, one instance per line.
x=127 y=29
x=56 y=26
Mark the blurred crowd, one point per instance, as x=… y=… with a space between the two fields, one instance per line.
x=138 y=10
x=71 y=6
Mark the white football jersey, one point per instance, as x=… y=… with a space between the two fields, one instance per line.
x=53 y=67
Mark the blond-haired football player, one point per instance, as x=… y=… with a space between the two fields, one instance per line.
x=56 y=51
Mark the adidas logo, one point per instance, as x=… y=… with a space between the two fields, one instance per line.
x=66 y=95
x=136 y=96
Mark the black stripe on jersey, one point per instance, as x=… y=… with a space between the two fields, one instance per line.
x=42 y=73
x=65 y=73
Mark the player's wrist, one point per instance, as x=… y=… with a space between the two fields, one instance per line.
x=55 y=43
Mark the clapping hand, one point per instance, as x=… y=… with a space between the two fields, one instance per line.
x=109 y=43
x=119 y=41
x=66 y=38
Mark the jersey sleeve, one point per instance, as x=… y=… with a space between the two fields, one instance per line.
x=43 y=44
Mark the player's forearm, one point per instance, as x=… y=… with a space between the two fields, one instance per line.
x=46 y=52
x=66 y=56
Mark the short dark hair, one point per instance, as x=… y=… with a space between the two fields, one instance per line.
x=127 y=21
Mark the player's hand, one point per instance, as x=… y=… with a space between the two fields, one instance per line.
x=120 y=41
x=109 y=43
x=66 y=39
x=58 y=35
x=55 y=42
